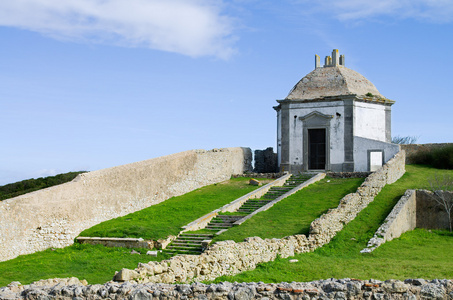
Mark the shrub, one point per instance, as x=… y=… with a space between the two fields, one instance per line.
x=30 y=185
x=441 y=158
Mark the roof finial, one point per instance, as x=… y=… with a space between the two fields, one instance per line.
x=331 y=61
x=335 y=57
x=317 y=61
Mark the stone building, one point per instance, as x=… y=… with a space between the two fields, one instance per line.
x=334 y=119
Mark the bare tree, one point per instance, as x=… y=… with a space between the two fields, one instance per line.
x=442 y=188
x=404 y=139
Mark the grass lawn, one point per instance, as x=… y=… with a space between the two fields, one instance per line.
x=294 y=214
x=96 y=264
x=417 y=254
x=167 y=218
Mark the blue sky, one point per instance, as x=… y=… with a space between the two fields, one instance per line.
x=91 y=84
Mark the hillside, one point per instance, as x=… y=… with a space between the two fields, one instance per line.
x=15 y=189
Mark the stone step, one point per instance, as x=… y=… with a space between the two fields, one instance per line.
x=196 y=234
x=182 y=238
x=223 y=220
x=179 y=248
x=184 y=244
x=184 y=252
x=219 y=225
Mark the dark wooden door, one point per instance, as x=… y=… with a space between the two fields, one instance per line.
x=316 y=149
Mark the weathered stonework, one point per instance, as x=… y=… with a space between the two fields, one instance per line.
x=415 y=209
x=229 y=258
x=322 y=289
x=53 y=217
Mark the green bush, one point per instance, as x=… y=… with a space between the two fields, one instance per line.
x=30 y=185
x=441 y=158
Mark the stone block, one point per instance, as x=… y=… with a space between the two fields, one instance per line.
x=255 y=182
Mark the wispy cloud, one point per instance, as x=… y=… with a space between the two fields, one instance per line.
x=428 y=10
x=190 y=27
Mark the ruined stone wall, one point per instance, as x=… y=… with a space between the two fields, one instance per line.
x=53 y=217
x=415 y=209
x=229 y=258
x=266 y=161
x=72 y=288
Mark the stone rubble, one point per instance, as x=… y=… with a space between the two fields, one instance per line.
x=73 y=289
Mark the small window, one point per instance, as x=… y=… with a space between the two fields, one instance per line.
x=376 y=160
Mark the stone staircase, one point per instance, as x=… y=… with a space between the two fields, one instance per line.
x=188 y=243
x=191 y=243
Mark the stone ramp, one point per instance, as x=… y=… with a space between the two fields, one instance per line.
x=194 y=243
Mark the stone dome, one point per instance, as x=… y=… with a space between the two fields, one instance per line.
x=333 y=80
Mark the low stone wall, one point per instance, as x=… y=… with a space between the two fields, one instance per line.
x=415 y=209
x=117 y=242
x=402 y=218
x=321 y=289
x=53 y=217
x=230 y=258
x=348 y=174
x=260 y=175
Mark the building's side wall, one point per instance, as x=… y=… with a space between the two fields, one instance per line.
x=370 y=121
x=292 y=143
x=362 y=146
x=53 y=217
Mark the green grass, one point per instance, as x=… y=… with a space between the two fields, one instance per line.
x=417 y=254
x=96 y=264
x=294 y=214
x=167 y=218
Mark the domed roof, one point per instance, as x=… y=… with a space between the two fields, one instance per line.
x=333 y=80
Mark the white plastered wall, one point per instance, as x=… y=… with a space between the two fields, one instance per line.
x=369 y=121
x=336 y=129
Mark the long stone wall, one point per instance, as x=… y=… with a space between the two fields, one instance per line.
x=229 y=258
x=415 y=209
x=53 y=217
x=72 y=288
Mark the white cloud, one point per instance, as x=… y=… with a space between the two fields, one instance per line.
x=438 y=11
x=189 y=27
x=428 y=10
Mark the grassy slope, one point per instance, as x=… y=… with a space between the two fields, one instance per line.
x=166 y=218
x=97 y=264
x=294 y=214
x=419 y=253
